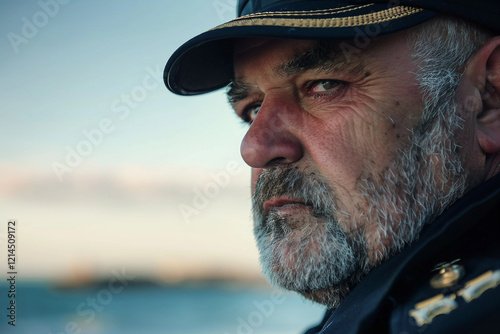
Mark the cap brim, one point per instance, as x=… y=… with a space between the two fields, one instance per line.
x=205 y=63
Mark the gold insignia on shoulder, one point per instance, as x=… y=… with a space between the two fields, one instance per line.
x=425 y=311
x=448 y=275
x=477 y=286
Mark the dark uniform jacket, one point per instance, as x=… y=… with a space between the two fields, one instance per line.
x=460 y=251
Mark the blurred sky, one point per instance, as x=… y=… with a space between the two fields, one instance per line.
x=86 y=76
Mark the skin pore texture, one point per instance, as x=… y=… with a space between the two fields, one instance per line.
x=348 y=161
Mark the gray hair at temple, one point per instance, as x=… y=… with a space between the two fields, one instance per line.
x=441 y=48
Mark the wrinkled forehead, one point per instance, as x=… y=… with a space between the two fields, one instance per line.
x=351 y=49
x=289 y=56
x=279 y=57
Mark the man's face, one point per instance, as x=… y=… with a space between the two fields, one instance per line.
x=338 y=183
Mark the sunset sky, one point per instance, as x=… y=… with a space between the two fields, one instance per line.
x=101 y=166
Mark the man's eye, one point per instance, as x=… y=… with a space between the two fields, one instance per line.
x=250 y=112
x=325 y=86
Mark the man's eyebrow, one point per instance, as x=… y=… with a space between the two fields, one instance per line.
x=237 y=91
x=322 y=56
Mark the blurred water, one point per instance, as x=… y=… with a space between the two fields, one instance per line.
x=214 y=309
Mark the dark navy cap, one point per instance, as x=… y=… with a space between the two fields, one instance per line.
x=205 y=63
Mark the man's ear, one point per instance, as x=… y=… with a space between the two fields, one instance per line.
x=484 y=70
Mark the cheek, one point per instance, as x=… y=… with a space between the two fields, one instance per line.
x=352 y=142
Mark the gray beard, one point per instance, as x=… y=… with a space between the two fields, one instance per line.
x=315 y=256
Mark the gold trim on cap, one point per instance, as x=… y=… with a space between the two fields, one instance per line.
x=329 y=11
x=276 y=19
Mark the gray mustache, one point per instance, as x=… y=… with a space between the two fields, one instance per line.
x=291 y=182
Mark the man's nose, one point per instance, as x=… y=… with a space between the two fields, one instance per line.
x=271 y=138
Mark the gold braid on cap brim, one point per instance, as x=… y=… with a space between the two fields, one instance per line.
x=321 y=19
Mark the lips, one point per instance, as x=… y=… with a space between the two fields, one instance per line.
x=283 y=204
